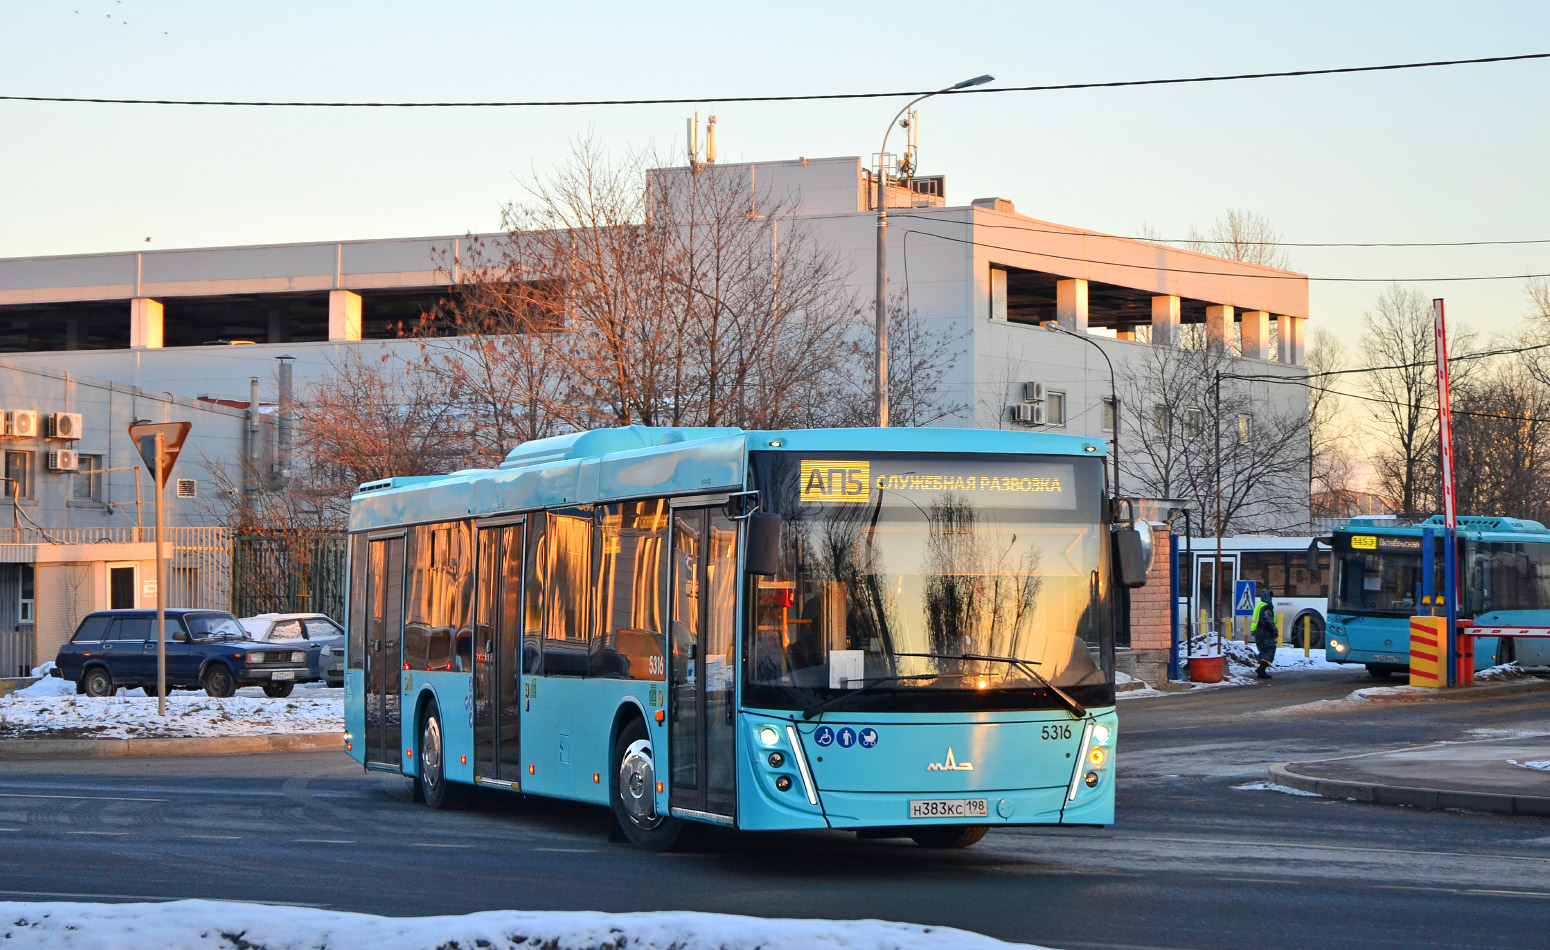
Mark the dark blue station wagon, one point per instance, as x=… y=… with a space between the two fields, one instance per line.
x=206 y=649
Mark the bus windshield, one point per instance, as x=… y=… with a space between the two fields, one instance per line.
x=1380 y=575
x=895 y=567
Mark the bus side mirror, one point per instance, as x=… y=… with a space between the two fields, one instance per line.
x=1132 y=553
x=763 y=554
x=1312 y=562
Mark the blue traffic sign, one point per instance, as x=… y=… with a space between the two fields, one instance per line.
x=847 y=737
x=868 y=738
x=824 y=735
x=1243 y=598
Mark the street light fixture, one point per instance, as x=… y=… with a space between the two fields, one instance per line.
x=880 y=379
x=1113 y=389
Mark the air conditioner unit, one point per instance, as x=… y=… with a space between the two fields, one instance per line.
x=1028 y=414
x=21 y=423
x=1033 y=392
x=64 y=425
x=64 y=460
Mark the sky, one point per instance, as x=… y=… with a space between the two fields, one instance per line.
x=1454 y=154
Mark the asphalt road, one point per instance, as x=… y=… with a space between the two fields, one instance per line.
x=1192 y=861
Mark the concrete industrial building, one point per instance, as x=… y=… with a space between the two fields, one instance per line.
x=202 y=322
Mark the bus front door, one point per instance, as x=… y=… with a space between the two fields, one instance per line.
x=703 y=668
x=384 y=635
x=498 y=655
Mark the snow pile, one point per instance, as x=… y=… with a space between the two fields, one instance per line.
x=1536 y=766
x=1501 y=673
x=208 y=925
x=43 y=712
x=1273 y=787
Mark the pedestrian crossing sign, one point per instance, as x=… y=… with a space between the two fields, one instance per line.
x=1243 y=598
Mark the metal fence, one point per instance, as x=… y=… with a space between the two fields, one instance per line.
x=16 y=652
x=289 y=573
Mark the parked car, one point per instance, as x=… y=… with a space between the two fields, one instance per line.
x=206 y=649
x=324 y=637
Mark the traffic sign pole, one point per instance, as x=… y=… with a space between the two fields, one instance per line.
x=160 y=443
x=161 y=581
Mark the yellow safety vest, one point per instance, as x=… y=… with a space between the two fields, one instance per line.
x=1254 y=620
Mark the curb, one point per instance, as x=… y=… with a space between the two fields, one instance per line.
x=119 y=748
x=1414 y=796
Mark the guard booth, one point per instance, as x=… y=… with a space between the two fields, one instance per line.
x=67 y=582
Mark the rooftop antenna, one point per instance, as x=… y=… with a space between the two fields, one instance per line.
x=694 y=140
x=911 y=126
x=710 y=141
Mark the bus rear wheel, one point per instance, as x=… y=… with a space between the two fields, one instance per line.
x=1315 y=632
x=634 y=792
x=949 y=836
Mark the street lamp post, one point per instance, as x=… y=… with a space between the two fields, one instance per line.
x=880 y=378
x=1113 y=389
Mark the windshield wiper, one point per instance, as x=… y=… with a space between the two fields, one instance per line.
x=871 y=684
x=1076 y=709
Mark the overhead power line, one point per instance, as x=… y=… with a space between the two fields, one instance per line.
x=1220 y=273
x=814 y=97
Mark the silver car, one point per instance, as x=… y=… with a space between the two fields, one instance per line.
x=324 y=639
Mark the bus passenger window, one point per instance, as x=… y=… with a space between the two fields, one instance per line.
x=629 y=643
x=567 y=621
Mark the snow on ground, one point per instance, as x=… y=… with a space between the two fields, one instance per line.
x=208 y=925
x=50 y=709
x=1536 y=766
x=1273 y=787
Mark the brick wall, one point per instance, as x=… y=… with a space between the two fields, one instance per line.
x=1150 y=627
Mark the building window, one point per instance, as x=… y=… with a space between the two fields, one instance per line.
x=18 y=474
x=88 y=479
x=1161 y=419
x=1194 y=423
x=1054 y=408
x=1108 y=415
x=1245 y=429
x=29 y=595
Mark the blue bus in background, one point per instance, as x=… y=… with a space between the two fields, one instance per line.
x=904 y=632
x=1376 y=585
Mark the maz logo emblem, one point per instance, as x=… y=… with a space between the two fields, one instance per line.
x=951 y=765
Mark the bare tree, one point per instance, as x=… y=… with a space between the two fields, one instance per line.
x=1331 y=467
x=1501 y=440
x=1175 y=430
x=1241 y=235
x=1399 y=343
x=623 y=294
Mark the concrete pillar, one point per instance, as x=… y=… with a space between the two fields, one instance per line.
x=145 y=323
x=1289 y=340
x=1165 y=321
x=1071 y=304
x=998 y=294
x=1218 y=326
x=344 y=315
x=1255 y=326
x=1125 y=333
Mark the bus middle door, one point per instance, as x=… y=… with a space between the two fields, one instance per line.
x=498 y=655
x=702 y=668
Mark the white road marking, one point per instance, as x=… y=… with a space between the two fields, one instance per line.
x=113 y=833
x=567 y=850
x=81 y=798
x=1499 y=893
x=436 y=844
x=214 y=837
x=323 y=841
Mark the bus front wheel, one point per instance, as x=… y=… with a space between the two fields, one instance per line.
x=634 y=792
x=430 y=781
x=949 y=836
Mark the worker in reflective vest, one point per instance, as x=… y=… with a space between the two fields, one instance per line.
x=1263 y=623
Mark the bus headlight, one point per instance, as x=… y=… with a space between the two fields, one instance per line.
x=1101 y=734
x=769 y=736
x=1339 y=646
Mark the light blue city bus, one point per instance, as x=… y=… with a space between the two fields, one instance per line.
x=1376 y=585
x=903 y=632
